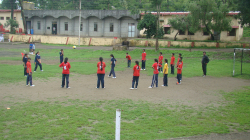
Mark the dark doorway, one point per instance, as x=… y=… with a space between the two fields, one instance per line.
x=54 y=28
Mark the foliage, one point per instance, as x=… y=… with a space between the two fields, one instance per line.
x=246 y=32
x=211 y=15
x=243 y=6
x=12 y=23
x=149 y=24
x=6 y=4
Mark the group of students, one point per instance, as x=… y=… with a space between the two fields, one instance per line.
x=27 y=67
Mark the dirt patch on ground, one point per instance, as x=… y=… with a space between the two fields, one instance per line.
x=193 y=91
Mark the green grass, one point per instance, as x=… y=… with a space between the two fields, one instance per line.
x=141 y=120
x=246 y=32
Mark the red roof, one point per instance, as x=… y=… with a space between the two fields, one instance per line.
x=10 y=10
x=166 y=25
x=183 y=13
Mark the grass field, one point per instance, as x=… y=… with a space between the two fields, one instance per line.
x=76 y=119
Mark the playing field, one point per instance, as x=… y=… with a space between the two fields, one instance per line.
x=218 y=103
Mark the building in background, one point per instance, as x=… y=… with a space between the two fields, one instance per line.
x=234 y=35
x=5 y=16
x=96 y=23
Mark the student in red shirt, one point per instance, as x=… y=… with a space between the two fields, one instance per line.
x=129 y=59
x=143 y=65
x=160 y=61
x=136 y=75
x=172 y=63
x=65 y=73
x=100 y=73
x=179 y=71
x=155 y=66
x=29 y=73
x=178 y=59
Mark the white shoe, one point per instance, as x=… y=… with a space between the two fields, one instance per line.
x=32 y=85
x=150 y=87
x=27 y=85
x=34 y=71
x=135 y=88
x=41 y=70
x=131 y=88
x=141 y=69
x=162 y=85
x=144 y=69
x=109 y=76
x=114 y=77
x=68 y=87
x=104 y=87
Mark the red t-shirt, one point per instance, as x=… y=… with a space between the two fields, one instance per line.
x=160 y=59
x=172 y=60
x=128 y=57
x=179 y=71
x=99 y=66
x=66 y=67
x=136 y=70
x=28 y=65
x=156 y=67
x=143 y=55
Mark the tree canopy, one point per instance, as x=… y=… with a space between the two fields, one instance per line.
x=243 y=6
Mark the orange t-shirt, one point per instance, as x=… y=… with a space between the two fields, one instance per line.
x=160 y=59
x=128 y=57
x=143 y=56
x=136 y=70
x=179 y=71
x=172 y=60
x=101 y=66
x=66 y=67
x=156 y=67
x=28 y=65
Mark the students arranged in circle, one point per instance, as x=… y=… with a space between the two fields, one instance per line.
x=100 y=73
x=65 y=73
x=155 y=66
x=38 y=61
x=143 y=60
x=129 y=59
x=112 y=65
x=29 y=73
x=61 y=56
x=136 y=75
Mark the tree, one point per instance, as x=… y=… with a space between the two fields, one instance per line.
x=207 y=13
x=149 y=23
x=22 y=14
x=12 y=23
x=6 y=4
x=243 y=7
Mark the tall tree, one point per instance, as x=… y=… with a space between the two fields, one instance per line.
x=7 y=4
x=243 y=7
x=208 y=14
x=23 y=18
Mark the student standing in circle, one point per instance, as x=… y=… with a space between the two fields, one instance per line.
x=204 y=62
x=160 y=61
x=155 y=66
x=100 y=72
x=112 y=65
x=61 y=56
x=38 y=61
x=136 y=75
x=172 y=63
x=129 y=59
x=165 y=74
x=29 y=73
x=179 y=72
x=25 y=60
x=65 y=73
x=143 y=65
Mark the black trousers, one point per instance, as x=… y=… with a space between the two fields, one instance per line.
x=143 y=64
x=40 y=65
x=29 y=79
x=25 y=71
x=135 y=81
x=172 y=69
x=204 y=68
x=67 y=80
x=100 y=79
x=165 y=80
x=61 y=60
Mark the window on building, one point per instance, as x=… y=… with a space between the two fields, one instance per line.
x=95 y=27
x=232 y=32
x=7 y=18
x=205 y=33
x=14 y=18
x=181 y=32
x=167 y=30
x=38 y=25
x=66 y=26
x=190 y=33
x=81 y=26
x=111 y=27
x=48 y=28
x=2 y=18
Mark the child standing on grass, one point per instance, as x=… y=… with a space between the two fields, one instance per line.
x=129 y=59
x=29 y=72
x=136 y=75
x=65 y=73
x=179 y=71
x=160 y=61
x=143 y=59
x=165 y=74
x=112 y=65
x=172 y=63
x=31 y=48
x=38 y=61
x=155 y=66
x=25 y=60
x=61 y=56
x=100 y=73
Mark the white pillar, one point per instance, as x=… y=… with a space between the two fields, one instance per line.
x=118 y=124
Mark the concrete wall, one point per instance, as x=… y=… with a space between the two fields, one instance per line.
x=17 y=15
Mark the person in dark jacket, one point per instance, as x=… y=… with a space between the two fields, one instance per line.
x=204 y=62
